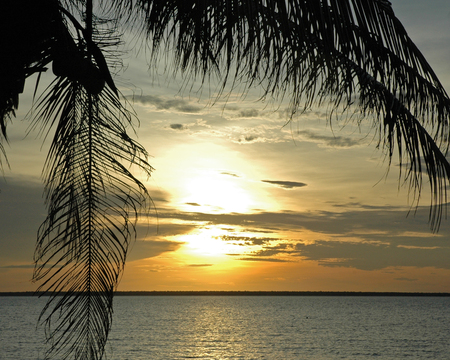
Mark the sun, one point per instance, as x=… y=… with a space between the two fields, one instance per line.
x=210 y=178
x=213 y=191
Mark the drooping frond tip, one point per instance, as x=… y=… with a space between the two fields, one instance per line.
x=93 y=203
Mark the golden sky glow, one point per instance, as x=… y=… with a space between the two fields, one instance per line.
x=244 y=202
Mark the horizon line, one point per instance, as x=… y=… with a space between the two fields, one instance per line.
x=241 y=293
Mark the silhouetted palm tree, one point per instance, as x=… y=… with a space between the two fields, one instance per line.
x=349 y=53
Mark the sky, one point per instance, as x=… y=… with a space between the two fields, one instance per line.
x=245 y=201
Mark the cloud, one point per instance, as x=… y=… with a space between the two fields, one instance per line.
x=159 y=197
x=237 y=113
x=180 y=105
x=200 y=265
x=18 y=267
x=177 y=127
x=249 y=139
x=163 y=229
x=248 y=113
x=22 y=211
x=358 y=254
x=356 y=236
x=369 y=256
x=285 y=184
x=30 y=266
x=377 y=224
x=283 y=249
x=329 y=141
x=246 y=240
x=192 y=204
x=362 y=237
x=230 y=174
x=263 y=259
x=405 y=279
x=147 y=249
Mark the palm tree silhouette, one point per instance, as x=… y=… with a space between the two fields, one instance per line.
x=349 y=53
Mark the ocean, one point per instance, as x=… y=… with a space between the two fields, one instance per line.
x=251 y=327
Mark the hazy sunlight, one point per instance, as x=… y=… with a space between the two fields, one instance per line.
x=208 y=242
x=212 y=191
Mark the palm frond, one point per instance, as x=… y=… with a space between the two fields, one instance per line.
x=93 y=202
x=344 y=52
x=93 y=198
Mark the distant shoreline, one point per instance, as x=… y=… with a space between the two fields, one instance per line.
x=250 y=293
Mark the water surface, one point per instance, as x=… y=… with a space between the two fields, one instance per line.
x=252 y=327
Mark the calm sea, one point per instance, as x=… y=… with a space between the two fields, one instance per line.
x=251 y=327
